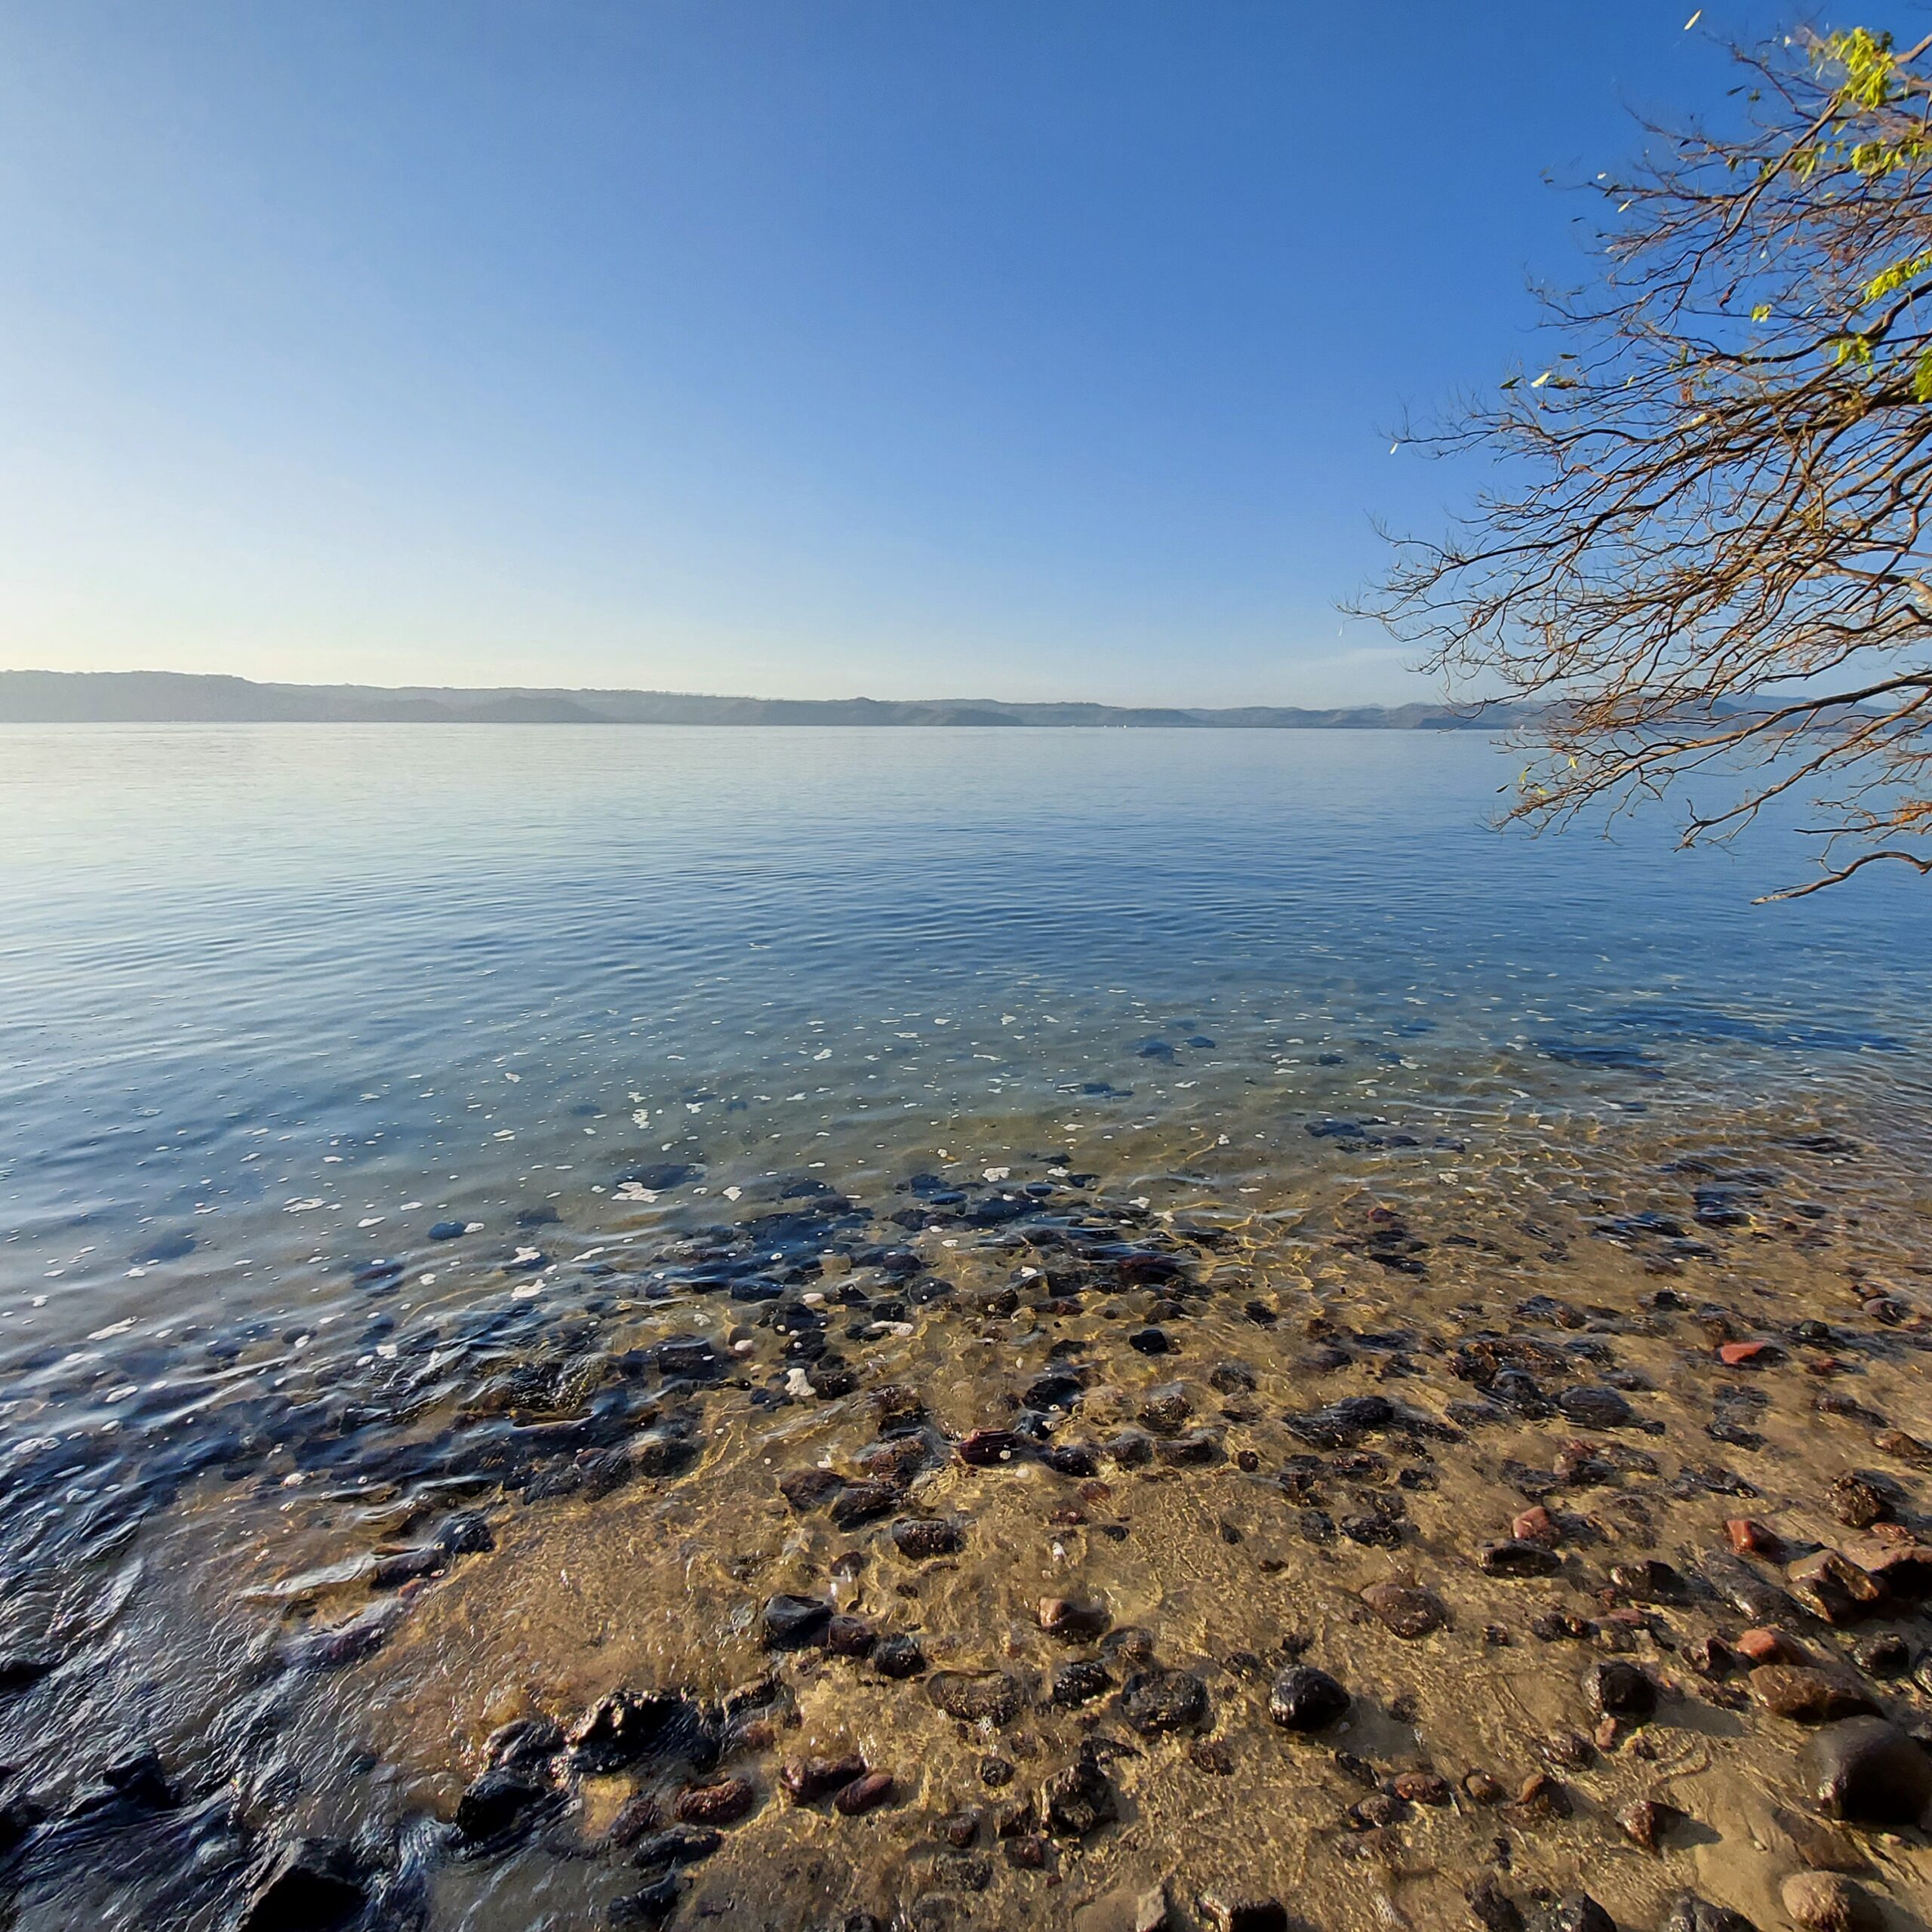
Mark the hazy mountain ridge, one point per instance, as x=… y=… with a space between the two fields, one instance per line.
x=39 y=697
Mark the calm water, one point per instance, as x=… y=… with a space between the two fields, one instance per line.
x=275 y=1000
x=389 y=1117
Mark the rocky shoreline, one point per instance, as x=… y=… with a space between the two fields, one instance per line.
x=1004 y=1552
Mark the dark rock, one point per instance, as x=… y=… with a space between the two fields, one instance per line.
x=1689 y=1913
x=1614 y=1689
x=1404 y=1610
x=1073 y=1620
x=1306 y=1699
x=1858 y=1501
x=898 y=1657
x=1514 y=1557
x=724 y=1801
x=467 y=1533
x=1591 y=1407
x=625 y=1726
x=392 y=1571
x=791 y=1623
x=1884 y=1654
x=991 y=1448
x=807 y=1780
x=1649 y=1580
x=1832 y=1587
x=523 y=1744
x=1148 y=1341
x=136 y=1778
x=850 y=1637
x=1808 y=1696
x=919 y=1539
x=1866 y=1772
x=1491 y=1907
x=495 y=1803
x=1080 y=1682
x=863 y=1795
x=1644 y=1821
x=1342 y=1425
x=1236 y=1912
x=1575 y=1912
x=681 y=1844
x=1166 y=1410
x=1157 y=1699
x=859 y=1502
x=809 y=1489
x=1079 y=1800
x=651 y=1907
x=991 y=1697
x=1746 y=1592
x=313 y=1885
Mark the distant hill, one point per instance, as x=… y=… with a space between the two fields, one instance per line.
x=176 y=698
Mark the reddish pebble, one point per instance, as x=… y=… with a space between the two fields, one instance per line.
x=1743 y=1355
x=863 y=1795
x=1533 y=1525
x=1749 y=1537
x=1767 y=1646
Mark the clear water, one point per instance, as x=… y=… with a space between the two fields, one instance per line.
x=274 y=1002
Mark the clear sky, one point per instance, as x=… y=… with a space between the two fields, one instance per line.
x=1014 y=348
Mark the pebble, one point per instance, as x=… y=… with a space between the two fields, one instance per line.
x=1689 y=1913
x=724 y=1802
x=1575 y=1912
x=1404 y=1610
x=1591 y=1407
x=1080 y=1682
x=495 y=1803
x=1156 y=1700
x=315 y=1885
x=791 y=1622
x=920 y=1539
x=651 y=1907
x=864 y=1794
x=1080 y=1799
x=1518 y=1557
x=1832 y=1587
x=898 y=1657
x=1807 y=1695
x=1073 y=1620
x=989 y=1696
x=1644 y=1820
x=1614 y=1689
x=1305 y=1699
x=807 y=1780
x=1866 y=1772
x=1236 y=1913
x=1823 y=1902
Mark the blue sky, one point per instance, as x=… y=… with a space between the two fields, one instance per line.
x=1020 y=348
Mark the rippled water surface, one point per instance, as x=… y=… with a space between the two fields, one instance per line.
x=372 y=1101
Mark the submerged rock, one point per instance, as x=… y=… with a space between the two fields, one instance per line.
x=313 y=1885
x=1404 y=1610
x=1305 y=1699
x=1867 y=1772
x=1157 y=1699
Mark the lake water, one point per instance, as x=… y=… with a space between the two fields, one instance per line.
x=276 y=1003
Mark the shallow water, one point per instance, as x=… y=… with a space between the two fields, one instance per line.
x=612 y=1011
